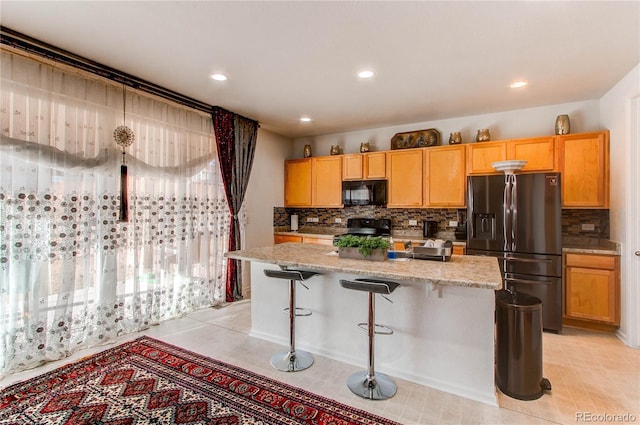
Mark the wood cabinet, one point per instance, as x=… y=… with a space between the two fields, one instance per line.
x=313 y=182
x=375 y=165
x=584 y=163
x=405 y=175
x=480 y=156
x=326 y=186
x=445 y=177
x=459 y=250
x=592 y=290
x=286 y=238
x=539 y=153
x=297 y=183
x=317 y=241
x=364 y=166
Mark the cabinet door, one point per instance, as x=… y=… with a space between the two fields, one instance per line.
x=480 y=156
x=459 y=250
x=592 y=288
x=286 y=238
x=585 y=170
x=539 y=153
x=297 y=183
x=327 y=181
x=589 y=294
x=375 y=165
x=352 y=167
x=404 y=173
x=445 y=177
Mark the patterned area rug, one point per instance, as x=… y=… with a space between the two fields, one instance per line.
x=147 y=381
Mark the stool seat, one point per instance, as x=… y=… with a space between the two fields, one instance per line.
x=291 y=360
x=370 y=285
x=367 y=383
x=290 y=274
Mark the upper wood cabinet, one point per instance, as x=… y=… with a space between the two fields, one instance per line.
x=584 y=163
x=375 y=165
x=405 y=178
x=313 y=182
x=592 y=289
x=480 y=156
x=326 y=173
x=539 y=153
x=352 y=166
x=445 y=176
x=297 y=183
x=363 y=166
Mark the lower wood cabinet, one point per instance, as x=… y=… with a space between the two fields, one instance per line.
x=286 y=238
x=592 y=291
x=459 y=250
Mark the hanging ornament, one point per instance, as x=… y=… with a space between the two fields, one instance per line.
x=124 y=137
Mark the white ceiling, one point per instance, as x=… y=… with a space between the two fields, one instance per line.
x=433 y=60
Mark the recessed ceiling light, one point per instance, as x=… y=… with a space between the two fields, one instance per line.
x=219 y=77
x=305 y=119
x=518 y=84
x=365 y=74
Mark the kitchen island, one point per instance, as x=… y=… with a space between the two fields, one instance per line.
x=442 y=314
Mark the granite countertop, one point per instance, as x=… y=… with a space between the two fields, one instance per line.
x=590 y=246
x=461 y=270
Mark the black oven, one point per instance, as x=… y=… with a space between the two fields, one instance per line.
x=364 y=192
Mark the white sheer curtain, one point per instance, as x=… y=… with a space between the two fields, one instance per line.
x=71 y=274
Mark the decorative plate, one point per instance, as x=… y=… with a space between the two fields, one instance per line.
x=123 y=136
x=509 y=167
x=416 y=139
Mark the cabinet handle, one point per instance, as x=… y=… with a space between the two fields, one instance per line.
x=638 y=253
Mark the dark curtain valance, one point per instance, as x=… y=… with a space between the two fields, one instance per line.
x=236 y=140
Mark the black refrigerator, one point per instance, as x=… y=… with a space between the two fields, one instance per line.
x=517 y=218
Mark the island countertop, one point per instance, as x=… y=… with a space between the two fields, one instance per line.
x=461 y=270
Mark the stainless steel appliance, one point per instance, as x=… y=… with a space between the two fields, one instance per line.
x=367 y=227
x=517 y=218
x=364 y=192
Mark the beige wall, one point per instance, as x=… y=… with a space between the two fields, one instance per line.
x=520 y=123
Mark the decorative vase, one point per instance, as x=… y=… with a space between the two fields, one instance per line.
x=455 y=138
x=364 y=147
x=483 y=135
x=307 y=151
x=563 y=126
x=335 y=150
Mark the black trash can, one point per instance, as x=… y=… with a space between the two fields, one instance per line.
x=519 y=346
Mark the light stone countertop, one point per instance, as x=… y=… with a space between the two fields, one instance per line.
x=590 y=246
x=461 y=270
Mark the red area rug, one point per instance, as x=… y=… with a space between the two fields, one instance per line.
x=147 y=381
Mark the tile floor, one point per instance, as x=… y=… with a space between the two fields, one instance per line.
x=591 y=374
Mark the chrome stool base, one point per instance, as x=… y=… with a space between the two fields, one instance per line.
x=380 y=387
x=288 y=361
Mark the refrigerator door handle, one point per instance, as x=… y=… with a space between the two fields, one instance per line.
x=527 y=260
x=514 y=213
x=506 y=201
x=534 y=282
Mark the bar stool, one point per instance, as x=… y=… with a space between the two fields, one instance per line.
x=367 y=383
x=292 y=360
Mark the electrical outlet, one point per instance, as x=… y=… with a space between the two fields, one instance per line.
x=413 y=222
x=453 y=223
x=309 y=219
x=588 y=226
x=315 y=219
x=338 y=220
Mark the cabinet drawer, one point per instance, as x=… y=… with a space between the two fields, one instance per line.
x=591 y=261
x=286 y=238
x=318 y=241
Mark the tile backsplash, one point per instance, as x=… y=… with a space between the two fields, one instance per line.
x=572 y=219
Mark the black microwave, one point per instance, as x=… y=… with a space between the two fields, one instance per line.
x=364 y=192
